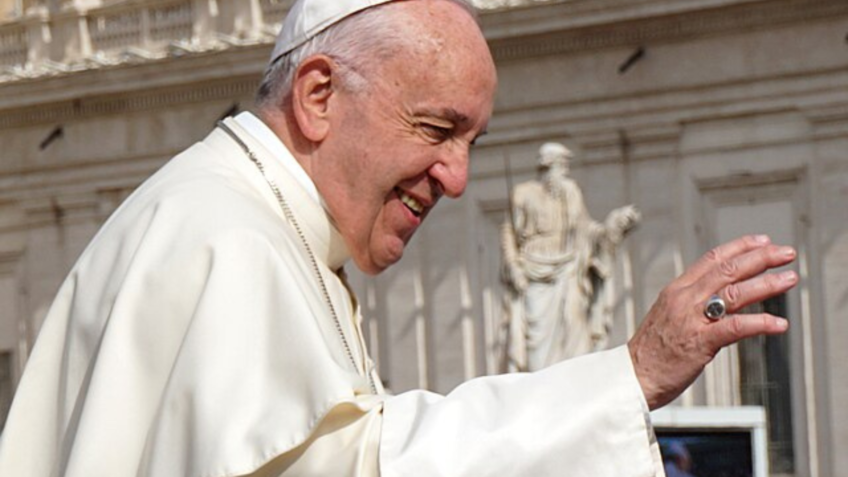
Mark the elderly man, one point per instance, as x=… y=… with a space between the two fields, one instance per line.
x=207 y=330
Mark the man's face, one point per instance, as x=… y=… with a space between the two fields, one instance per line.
x=397 y=148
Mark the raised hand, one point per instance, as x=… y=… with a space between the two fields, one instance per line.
x=676 y=339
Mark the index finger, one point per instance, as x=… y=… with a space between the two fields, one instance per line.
x=722 y=253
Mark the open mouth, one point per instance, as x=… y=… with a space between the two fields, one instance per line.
x=410 y=202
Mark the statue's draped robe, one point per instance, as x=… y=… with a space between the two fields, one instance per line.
x=558 y=247
x=192 y=339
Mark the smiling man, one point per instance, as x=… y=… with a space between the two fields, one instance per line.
x=208 y=331
x=385 y=131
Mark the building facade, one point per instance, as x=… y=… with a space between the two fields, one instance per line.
x=715 y=117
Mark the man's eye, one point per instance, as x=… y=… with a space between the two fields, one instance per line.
x=437 y=132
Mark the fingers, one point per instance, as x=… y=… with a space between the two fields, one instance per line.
x=739 y=295
x=722 y=254
x=738 y=327
x=676 y=340
x=726 y=275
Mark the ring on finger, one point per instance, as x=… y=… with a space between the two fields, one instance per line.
x=715 y=308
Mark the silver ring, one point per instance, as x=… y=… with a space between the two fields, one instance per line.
x=715 y=308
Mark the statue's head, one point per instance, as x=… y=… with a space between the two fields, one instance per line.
x=553 y=155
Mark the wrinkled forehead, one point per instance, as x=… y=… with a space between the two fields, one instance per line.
x=453 y=78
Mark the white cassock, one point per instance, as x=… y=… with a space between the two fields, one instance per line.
x=192 y=339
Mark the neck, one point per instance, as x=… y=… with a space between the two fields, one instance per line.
x=282 y=123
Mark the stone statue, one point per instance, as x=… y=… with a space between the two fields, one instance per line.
x=557 y=260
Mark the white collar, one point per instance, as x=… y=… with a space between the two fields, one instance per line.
x=317 y=224
x=266 y=137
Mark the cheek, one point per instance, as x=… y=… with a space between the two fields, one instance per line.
x=366 y=200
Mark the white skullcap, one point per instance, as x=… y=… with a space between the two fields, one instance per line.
x=307 y=18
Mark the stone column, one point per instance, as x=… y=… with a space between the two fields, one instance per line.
x=8 y=10
x=72 y=42
x=57 y=30
x=205 y=21
x=39 y=36
x=246 y=18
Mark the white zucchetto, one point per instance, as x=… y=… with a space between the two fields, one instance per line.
x=307 y=18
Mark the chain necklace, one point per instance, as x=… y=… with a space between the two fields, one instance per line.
x=291 y=219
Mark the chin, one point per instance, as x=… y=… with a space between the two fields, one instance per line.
x=373 y=264
x=372 y=268
x=377 y=254
x=373 y=272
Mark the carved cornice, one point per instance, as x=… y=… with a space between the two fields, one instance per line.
x=9 y=261
x=196 y=87
x=63 y=210
x=829 y=114
x=748 y=180
x=660 y=27
x=634 y=144
x=127 y=103
x=828 y=121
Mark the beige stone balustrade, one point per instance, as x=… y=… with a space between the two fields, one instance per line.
x=60 y=36
x=172 y=22
x=146 y=27
x=115 y=30
x=13 y=45
x=274 y=11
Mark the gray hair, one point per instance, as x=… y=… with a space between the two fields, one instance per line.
x=354 y=43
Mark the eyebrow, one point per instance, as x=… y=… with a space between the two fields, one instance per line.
x=447 y=113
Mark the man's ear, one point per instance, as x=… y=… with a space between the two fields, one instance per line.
x=312 y=89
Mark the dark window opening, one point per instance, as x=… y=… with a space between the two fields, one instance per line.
x=5 y=386
x=765 y=381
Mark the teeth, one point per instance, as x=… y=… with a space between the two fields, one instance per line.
x=410 y=202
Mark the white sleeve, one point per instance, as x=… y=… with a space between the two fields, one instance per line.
x=582 y=417
x=345 y=444
x=585 y=417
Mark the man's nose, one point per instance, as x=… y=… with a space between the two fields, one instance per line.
x=451 y=172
